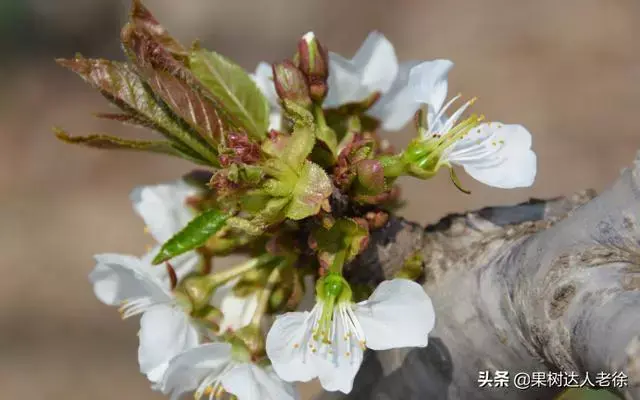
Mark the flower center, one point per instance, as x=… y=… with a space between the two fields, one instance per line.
x=439 y=139
x=333 y=330
x=329 y=290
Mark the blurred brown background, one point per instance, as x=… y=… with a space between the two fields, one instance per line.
x=568 y=70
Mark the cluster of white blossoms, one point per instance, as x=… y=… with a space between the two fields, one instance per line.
x=180 y=353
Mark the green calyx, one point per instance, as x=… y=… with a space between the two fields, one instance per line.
x=248 y=344
x=426 y=154
x=198 y=290
x=239 y=350
x=331 y=290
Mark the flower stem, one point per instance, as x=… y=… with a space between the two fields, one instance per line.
x=265 y=294
x=338 y=262
x=321 y=122
x=225 y=276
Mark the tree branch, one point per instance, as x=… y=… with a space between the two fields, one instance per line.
x=541 y=286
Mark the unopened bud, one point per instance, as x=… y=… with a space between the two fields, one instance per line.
x=371 y=175
x=291 y=84
x=313 y=60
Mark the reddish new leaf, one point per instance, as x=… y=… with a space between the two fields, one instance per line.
x=119 y=83
x=142 y=18
x=100 y=141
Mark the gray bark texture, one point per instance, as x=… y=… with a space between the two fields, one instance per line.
x=541 y=286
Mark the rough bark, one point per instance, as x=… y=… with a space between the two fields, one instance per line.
x=542 y=286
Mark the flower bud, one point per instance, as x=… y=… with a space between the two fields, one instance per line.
x=291 y=84
x=313 y=61
x=371 y=175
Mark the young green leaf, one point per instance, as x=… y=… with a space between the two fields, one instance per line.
x=272 y=212
x=293 y=149
x=311 y=190
x=111 y=142
x=300 y=145
x=192 y=236
x=233 y=90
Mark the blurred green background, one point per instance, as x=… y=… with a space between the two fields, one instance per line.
x=567 y=70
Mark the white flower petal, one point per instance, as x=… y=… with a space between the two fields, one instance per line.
x=288 y=360
x=398 y=314
x=237 y=311
x=289 y=389
x=164 y=333
x=187 y=370
x=344 y=82
x=250 y=382
x=241 y=381
x=163 y=207
x=337 y=371
x=263 y=77
x=377 y=62
x=397 y=106
x=372 y=69
x=497 y=155
x=118 y=277
x=428 y=83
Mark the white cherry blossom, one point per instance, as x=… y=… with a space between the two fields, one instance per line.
x=165 y=329
x=329 y=341
x=493 y=153
x=212 y=369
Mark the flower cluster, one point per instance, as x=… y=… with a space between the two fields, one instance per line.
x=279 y=152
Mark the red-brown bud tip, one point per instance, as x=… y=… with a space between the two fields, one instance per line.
x=313 y=58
